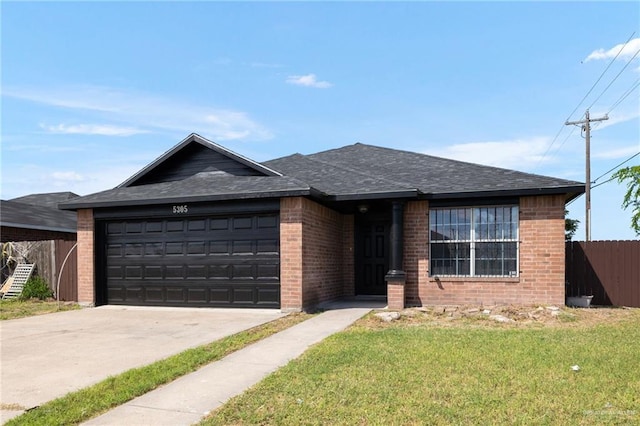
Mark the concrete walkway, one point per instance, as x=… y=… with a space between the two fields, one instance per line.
x=188 y=399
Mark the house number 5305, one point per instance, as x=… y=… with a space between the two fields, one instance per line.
x=180 y=209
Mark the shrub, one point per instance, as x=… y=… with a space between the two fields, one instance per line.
x=36 y=288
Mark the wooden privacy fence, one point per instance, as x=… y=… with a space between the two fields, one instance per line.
x=607 y=270
x=69 y=277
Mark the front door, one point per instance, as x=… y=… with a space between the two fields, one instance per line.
x=371 y=256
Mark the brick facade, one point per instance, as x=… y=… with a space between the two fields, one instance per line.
x=86 y=247
x=316 y=254
x=541 y=278
x=317 y=258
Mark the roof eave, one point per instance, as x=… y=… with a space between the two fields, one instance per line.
x=570 y=193
x=187 y=199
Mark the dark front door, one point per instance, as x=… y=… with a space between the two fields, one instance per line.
x=372 y=256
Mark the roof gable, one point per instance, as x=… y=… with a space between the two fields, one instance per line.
x=194 y=155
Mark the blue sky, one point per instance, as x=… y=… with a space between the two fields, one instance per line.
x=92 y=92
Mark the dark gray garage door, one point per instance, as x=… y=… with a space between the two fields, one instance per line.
x=211 y=261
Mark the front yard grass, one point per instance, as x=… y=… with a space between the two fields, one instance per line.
x=425 y=369
x=79 y=406
x=12 y=309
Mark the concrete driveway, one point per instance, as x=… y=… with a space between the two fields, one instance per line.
x=47 y=356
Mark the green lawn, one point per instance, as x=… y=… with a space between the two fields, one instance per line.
x=420 y=371
x=11 y=309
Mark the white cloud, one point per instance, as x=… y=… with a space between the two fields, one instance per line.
x=92 y=129
x=309 y=80
x=144 y=112
x=627 y=52
x=518 y=154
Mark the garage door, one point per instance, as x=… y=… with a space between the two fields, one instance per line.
x=230 y=261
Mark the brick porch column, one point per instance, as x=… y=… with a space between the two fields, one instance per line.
x=86 y=274
x=396 y=277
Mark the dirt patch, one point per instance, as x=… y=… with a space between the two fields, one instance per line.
x=501 y=316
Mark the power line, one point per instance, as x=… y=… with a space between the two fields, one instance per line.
x=551 y=145
x=580 y=103
x=613 y=168
x=602 y=183
x=615 y=78
x=573 y=129
x=602 y=75
x=621 y=99
x=634 y=86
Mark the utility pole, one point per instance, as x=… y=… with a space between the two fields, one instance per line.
x=586 y=126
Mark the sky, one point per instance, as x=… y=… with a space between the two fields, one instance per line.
x=91 y=92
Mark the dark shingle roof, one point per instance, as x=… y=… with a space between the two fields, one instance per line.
x=21 y=215
x=353 y=172
x=338 y=179
x=200 y=187
x=50 y=199
x=365 y=168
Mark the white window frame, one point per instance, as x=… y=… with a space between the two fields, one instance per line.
x=473 y=240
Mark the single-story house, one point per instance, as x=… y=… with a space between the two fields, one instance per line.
x=204 y=226
x=36 y=217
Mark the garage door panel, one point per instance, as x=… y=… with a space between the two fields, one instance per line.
x=197 y=295
x=152 y=272
x=268 y=272
x=215 y=261
x=115 y=273
x=196 y=272
x=174 y=249
x=175 y=294
x=243 y=295
x=195 y=248
x=266 y=222
x=134 y=293
x=267 y=246
x=242 y=247
x=267 y=296
x=240 y=223
x=154 y=294
x=154 y=227
x=173 y=272
x=220 y=272
x=175 y=226
x=242 y=272
x=133 y=272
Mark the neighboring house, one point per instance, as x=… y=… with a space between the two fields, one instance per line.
x=36 y=217
x=46 y=236
x=203 y=226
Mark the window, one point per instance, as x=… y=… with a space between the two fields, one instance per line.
x=474 y=241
